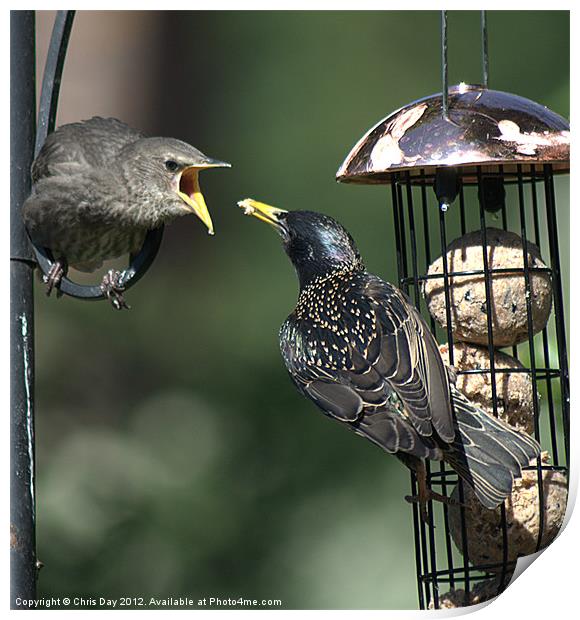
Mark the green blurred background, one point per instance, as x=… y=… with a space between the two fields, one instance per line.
x=174 y=456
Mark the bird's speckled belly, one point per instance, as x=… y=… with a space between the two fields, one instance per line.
x=86 y=249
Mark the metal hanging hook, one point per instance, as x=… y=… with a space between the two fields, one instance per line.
x=444 y=68
x=50 y=90
x=446 y=180
x=445 y=63
x=484 y=49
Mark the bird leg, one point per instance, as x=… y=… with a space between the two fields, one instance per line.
x=54 y=276
x=426 y=494
x=113 y=289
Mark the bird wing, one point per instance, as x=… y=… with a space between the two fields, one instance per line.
x=316 y=369
x=410 y=361
x=385 y=378
x=74 y=147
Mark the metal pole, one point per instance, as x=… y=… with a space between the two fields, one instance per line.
x=23 y=569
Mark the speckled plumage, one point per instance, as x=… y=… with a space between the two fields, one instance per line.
x=353 y=347
x=356 y=346
x=98 y=186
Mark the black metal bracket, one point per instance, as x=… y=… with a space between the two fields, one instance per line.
x=141 y=261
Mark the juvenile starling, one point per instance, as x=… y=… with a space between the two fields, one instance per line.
x=99 y=186
x=357 y=347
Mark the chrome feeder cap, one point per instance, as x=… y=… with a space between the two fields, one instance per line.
x=484 y=128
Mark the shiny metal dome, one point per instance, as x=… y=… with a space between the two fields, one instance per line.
x=484 y=128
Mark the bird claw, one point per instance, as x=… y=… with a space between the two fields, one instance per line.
x=53 y=277
x=452 y=374
x=113 y=289
x=427 y=496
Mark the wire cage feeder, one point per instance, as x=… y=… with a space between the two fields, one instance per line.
x=468 y=169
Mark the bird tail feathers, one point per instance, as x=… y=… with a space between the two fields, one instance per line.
x=487 y=453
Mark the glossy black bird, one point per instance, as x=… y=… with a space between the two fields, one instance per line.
x=357 y=347
x=100 y=185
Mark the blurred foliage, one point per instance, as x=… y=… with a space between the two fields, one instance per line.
x=174 y=456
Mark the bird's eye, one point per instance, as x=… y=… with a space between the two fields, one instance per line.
x=171 y=165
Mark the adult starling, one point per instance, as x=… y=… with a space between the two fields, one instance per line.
x=99 y=186
x=357 y=347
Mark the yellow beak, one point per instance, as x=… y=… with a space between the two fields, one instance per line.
x=190 y=192
x=186 y=184
x=264 y=212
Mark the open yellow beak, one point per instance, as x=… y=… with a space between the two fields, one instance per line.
x=264 y=212
x=190 y=192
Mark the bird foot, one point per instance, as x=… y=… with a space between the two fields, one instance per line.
x=113 y=289
x=427 y=495
x=452 y=374
x=54 y=276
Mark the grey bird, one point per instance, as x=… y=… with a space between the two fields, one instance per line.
x=100 y=185
x=356 y=346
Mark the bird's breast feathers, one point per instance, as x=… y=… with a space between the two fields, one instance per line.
x=330 y=322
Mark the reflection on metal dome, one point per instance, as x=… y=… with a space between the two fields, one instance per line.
x=484 y=128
